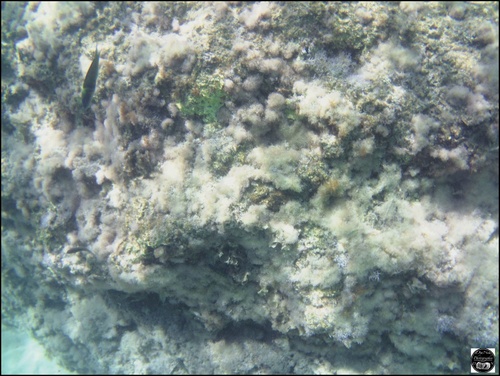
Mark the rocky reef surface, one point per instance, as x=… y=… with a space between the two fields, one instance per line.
x=263 y=187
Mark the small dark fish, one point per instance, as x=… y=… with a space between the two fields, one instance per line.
x=90 y=81
x=79 y=249
x=492 y=235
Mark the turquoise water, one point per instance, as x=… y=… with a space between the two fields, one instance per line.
x=22 y=354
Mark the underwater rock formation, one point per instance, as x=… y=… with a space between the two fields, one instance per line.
x=255 y=188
